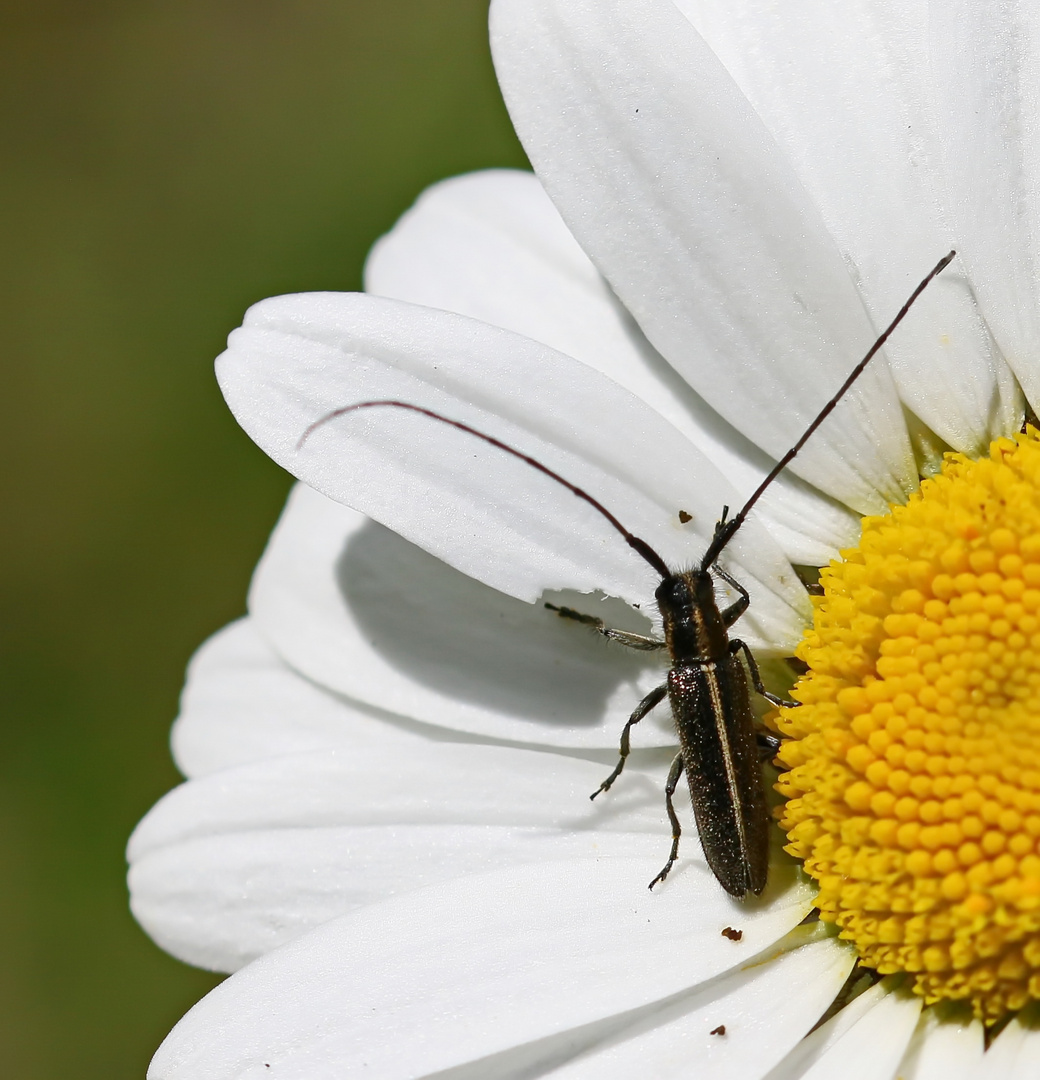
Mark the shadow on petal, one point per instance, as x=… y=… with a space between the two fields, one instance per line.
x=457 y=636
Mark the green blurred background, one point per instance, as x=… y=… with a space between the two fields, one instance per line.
x=163 y=164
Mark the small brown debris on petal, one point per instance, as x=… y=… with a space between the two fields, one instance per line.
x=733 y=935
x=720 y=1030
x=684 y=517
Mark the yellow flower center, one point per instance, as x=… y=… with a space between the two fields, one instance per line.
x=913 y=790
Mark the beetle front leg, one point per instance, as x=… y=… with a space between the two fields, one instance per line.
x=654 y=698
x=738 y=607
x=621 y=637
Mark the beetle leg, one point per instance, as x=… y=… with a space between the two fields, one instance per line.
x=669 y=790
x=768 y=744
x=654 y=698
x=621 y=637
x=735 y=646
x=738 y=607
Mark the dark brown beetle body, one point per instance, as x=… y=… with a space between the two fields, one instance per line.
x=708 y=692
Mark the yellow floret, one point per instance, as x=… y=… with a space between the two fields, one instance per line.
x=913 y=762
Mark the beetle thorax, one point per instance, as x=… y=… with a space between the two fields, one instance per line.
x=693 y=626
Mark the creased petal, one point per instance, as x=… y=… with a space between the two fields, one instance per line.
x=947 y=1047
x=492 y=246
x=986 y=73
x=838 y=88
x=479 y=509
x=672 y=185
x=496 y=960
x=865 y=1041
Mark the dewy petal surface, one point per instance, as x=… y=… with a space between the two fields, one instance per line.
x=985 y=69
x=296 y=358
x=673 y=186
x=457 y=972
x=492 y=246
x=838 y=86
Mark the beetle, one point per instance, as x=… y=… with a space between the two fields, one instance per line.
x=706 y=685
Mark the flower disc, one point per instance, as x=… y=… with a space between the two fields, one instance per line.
x=913 y=782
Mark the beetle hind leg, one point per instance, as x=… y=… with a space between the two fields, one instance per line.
x=669 y=790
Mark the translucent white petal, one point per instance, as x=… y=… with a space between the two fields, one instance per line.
x=985 y=67
x=672 y=185
x=491 y=245
x=482 y=510
x=865 y=1041
x=944 y=1047
x=1015 y=1053
x=362 y=611
x=457 y=972
x=838 y=88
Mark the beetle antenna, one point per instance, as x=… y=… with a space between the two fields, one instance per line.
x=641 y=547
x=725 y=529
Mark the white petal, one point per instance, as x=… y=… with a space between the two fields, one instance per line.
x=228 y=867
x=838 y=88
x=762 y=1018
x=943 y=1048
x=673 y=186
x=865 y=1041
x=441 y=783
x=242 y=704
x=456 y=972
x=222 y=901
x=986 y=73
x=1015 y=1053
x=479 y=509
x=364 y=612
x=492 y=246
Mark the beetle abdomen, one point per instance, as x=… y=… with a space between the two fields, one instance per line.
x=717 y=736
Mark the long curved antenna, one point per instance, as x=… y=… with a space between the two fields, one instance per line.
x=724 y=530
x=641 y=547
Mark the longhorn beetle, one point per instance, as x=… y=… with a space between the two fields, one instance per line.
x=706 y=684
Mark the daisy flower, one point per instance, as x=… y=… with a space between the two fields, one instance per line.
x=386 y=824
